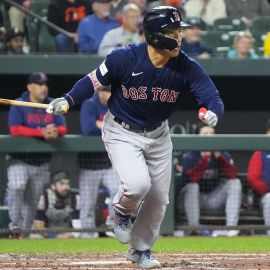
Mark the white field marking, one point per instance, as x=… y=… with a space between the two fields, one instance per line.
x=99 y=262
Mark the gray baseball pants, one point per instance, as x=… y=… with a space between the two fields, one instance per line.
x=265 y=202
x=143 y=163
x=89 y=181
x=25 y=185
x=226 y=195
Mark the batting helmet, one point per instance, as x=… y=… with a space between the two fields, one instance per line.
x=157 y=21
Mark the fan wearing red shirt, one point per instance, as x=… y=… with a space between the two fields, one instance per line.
x=27 y=173
x=259 y=178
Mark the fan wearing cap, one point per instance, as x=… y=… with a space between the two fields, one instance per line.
x=27 y=173
x=14 y=41
x=191 y=43
x=93 y=27
x=58 y=206
x=259 y=178
x=148 y=80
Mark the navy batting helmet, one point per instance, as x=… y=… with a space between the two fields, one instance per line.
x=157 y=21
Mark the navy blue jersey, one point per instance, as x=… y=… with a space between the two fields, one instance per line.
x=143 y=95
x=91 y=111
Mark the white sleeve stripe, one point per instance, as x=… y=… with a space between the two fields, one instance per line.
x=93 y=77
x=103 y=69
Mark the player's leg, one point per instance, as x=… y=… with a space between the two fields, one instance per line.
x=266 y=209
x=192 y=203
x=17 y=179
x=89 y=181
x=111 y=182
x=147 y=224
x=39 y=177
x=125 y=150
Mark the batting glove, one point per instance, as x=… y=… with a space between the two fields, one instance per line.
x=58 y=106
x=210 y=119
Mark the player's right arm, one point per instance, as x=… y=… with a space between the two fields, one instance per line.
x=86 y=87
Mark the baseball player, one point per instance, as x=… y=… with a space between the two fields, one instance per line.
x=58 y=206
x=27 y=173
x=94 y=167
x=147 y=82
x=259 y=178
x=212 y=185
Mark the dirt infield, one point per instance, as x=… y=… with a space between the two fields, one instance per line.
x=169 y=261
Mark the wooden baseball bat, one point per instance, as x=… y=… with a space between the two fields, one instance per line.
x=23 y=103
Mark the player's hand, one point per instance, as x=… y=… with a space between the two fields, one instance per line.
x=208 y=117
x=58 y=106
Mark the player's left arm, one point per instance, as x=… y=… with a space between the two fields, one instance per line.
x=206 y=93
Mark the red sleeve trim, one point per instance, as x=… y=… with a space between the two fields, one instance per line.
x=62 y=130
x=228 y=169
x=195 y=174
x=255 y=174
x=25 y=131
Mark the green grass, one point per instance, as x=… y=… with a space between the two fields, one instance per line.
x=165 y=244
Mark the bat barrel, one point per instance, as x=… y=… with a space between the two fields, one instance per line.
x=23 y=103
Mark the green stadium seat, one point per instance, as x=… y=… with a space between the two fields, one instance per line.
x=40 y=40
x=219 y=41
x=261 y=25
x=229 y=24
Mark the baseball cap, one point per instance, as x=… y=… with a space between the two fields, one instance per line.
x=193 y=21
x=58 y=177
x=38 y=78
x=13 y=32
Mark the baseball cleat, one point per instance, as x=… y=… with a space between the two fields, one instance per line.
x=122 y=227
x=144 y=259
x=133 y=255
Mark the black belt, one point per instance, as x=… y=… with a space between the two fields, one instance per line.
x=133 y=128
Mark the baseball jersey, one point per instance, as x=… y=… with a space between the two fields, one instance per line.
x=259 y=171
x=207 y=171
x=91 y=111
x=27 y=121
x=145 y=96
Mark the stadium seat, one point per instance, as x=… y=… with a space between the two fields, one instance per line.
x=261 y=25
x=229 y=24
x=38 y=36
x=219 y=41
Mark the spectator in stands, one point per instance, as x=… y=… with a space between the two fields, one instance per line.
x=247 y=9
x=212 y=184
x=259 y=178
x=14 y=41
x=208 y=10
x=67 y=14
x=93 y=27
x=127 y=33
x=191 y=42
x=117 y=11
x=28 y=172
x=243 y=47
x=174 y=3
x=16 y=17
x=58 y=207
x=94 y=167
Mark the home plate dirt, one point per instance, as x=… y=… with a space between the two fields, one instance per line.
x=103 y=261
